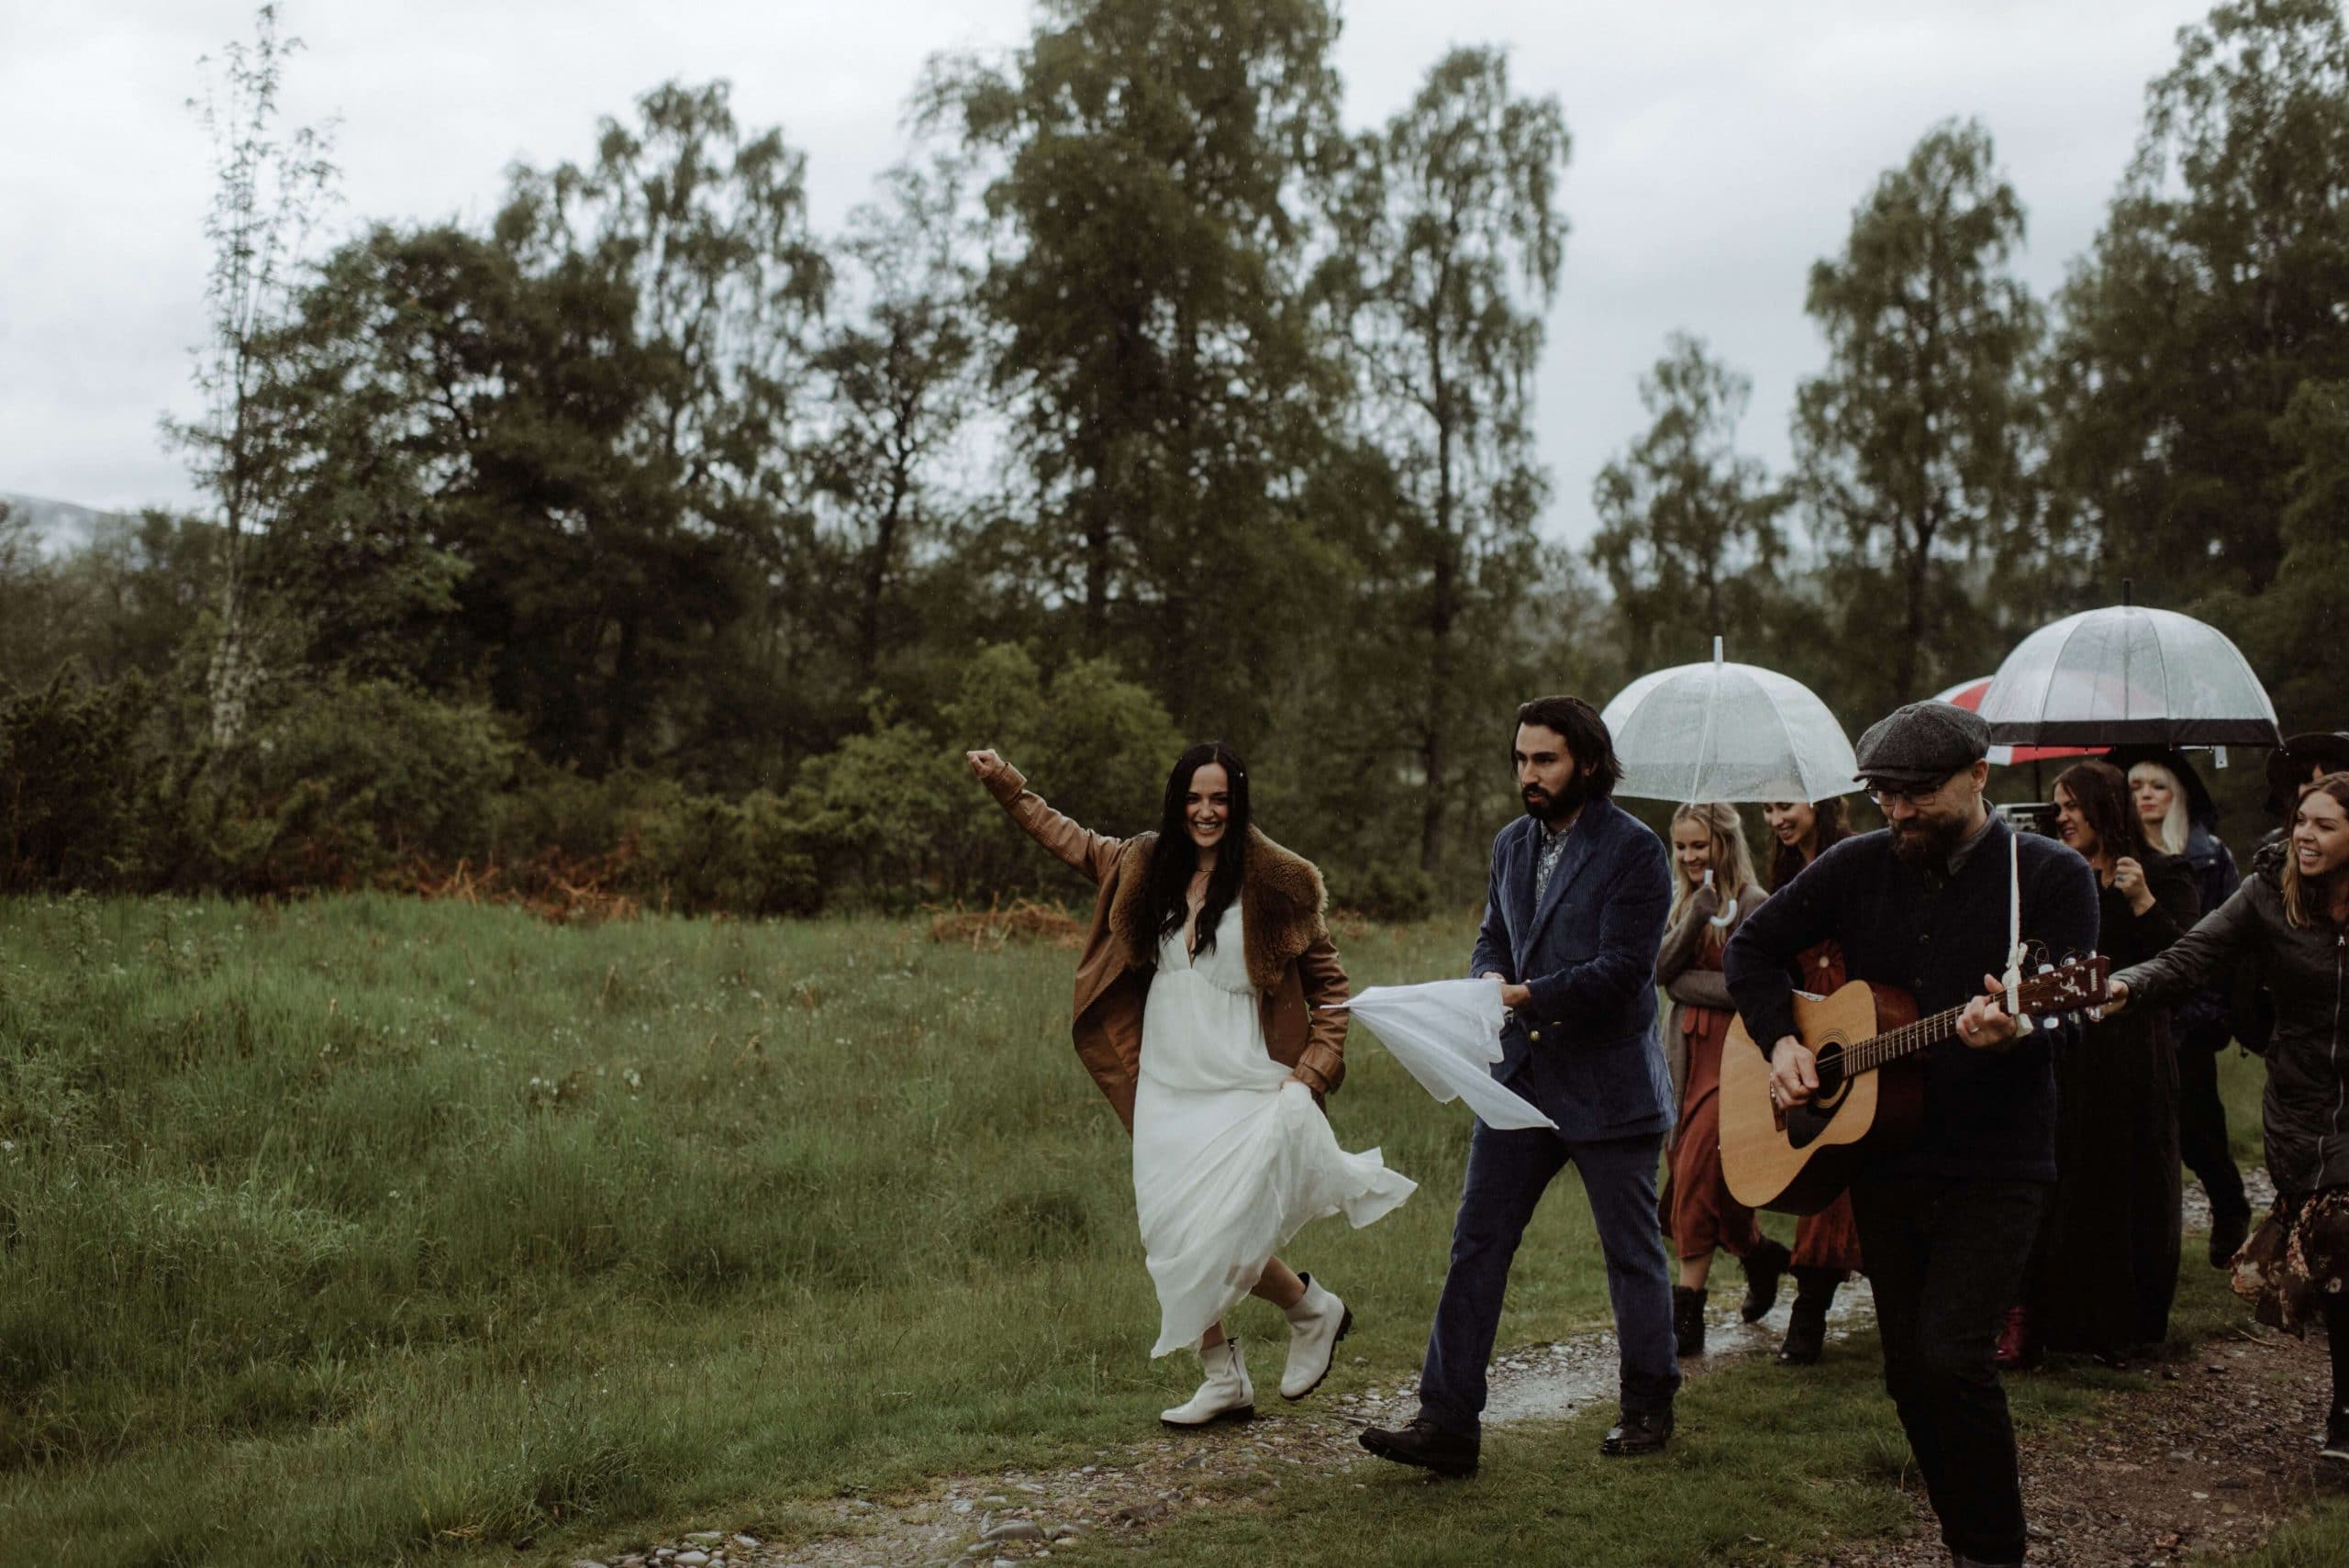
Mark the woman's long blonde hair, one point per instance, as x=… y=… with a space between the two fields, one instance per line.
x=2305 y=903
x=2169 y=837
x=1733 y=861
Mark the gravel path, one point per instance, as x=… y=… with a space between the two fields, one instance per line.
x=1013 y=1517
x=2206 y=1459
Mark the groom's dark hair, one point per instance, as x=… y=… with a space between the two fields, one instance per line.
x=1585 y=736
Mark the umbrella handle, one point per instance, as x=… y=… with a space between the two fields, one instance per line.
x=1729 y=910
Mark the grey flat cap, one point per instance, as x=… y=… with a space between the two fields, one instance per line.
x=1923 y=743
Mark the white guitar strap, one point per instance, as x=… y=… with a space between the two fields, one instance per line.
x=2013 y=976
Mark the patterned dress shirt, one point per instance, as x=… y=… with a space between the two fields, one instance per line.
x=1554 y=845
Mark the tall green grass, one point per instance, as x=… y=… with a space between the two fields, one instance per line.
x=367 y=1229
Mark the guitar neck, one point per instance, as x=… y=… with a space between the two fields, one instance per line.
x=1866 y=1055
x=2077 y=983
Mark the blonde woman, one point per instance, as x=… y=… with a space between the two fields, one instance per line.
x=1713 y=890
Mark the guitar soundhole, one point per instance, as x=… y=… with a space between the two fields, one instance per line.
x=1807 y=1121
x=1832 y=1081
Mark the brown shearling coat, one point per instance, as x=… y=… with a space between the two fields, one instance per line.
x=1290 y=957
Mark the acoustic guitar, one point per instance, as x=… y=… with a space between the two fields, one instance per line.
x=1871 y=1087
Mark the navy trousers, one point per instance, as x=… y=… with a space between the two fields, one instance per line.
x=1508 y=1173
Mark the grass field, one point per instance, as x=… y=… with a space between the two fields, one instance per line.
x=364 y=1227
x=365 y=1230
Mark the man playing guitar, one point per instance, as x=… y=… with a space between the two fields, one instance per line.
x=1946 y=1223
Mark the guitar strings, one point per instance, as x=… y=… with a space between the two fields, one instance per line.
x=1876 y=1050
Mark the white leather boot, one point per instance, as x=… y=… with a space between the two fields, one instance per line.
x=1226 y=1395
x=1316 y=1324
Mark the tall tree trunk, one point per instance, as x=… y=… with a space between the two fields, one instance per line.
x=1443 y=610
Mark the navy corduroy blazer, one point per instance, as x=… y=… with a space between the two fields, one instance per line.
x=1585 y=1049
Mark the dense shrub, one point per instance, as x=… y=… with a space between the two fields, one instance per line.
x=699 y=854
x=69 y=783
x=341 y=783
x=356 y=780
x=1384 y=891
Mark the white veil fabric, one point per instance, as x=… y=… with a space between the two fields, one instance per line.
x=1447 y=1034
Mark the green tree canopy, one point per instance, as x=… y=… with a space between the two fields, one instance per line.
x=1912 y=446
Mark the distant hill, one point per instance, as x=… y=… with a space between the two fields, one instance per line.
x=61 y=526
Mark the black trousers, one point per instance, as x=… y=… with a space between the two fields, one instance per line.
x=1945 y=1257
x=2202 y=1127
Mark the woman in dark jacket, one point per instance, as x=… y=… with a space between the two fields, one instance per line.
x=2292 y=918
x=2181 y=820
x=2106 y=1269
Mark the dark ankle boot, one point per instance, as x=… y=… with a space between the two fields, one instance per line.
x=1687 y=1321
x=2336 y=1434
x=2226 y=1233
x=1806 y=1319
x=1765 y=1266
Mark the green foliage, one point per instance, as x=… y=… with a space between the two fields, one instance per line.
x=69 y=813
x=1381 y=891
x=363 y=1228
x=2202 y=346
x=1689 y=534
x=700 y=853
x=1911 y=445
x=1148 y=168
x=2211 y=294
x=357 y=780
x=1141 y=389
x=1448 y=245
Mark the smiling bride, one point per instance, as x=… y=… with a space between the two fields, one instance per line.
x=1210 y=1010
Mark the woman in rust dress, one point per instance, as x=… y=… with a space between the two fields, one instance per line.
x=1712 y=890
x=1827 y=1244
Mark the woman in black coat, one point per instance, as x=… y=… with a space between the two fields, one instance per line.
x=2181 y=820
x=2290 y=918
x=2106 y=1266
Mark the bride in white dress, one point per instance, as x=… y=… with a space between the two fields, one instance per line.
x=1206 y=1011
x=1231 y=1156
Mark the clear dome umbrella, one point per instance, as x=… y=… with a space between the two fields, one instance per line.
x=1726 y=732
x=2128 y=675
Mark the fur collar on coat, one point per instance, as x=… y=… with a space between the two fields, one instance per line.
x=1282 y=907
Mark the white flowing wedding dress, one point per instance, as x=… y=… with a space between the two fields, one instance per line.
x=1229 y=1160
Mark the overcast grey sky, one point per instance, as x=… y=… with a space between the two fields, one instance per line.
x=1719 y=146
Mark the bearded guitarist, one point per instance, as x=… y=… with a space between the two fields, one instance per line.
x=1947 y=1222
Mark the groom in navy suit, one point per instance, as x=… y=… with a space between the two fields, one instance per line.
x=1573 y=919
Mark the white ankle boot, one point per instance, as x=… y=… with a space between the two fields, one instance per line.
x=1316 y=1324
x=1226 y=1395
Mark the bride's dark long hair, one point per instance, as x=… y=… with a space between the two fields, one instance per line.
x=1175 y=858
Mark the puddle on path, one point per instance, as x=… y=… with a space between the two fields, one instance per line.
x=1549 y=1383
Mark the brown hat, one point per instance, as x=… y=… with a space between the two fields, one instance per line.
x=1923 y=743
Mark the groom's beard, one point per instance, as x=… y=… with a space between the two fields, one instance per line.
x=1544 y=806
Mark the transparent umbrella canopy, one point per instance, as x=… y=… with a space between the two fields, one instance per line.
x=1726 y=732
x=2127 y=675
